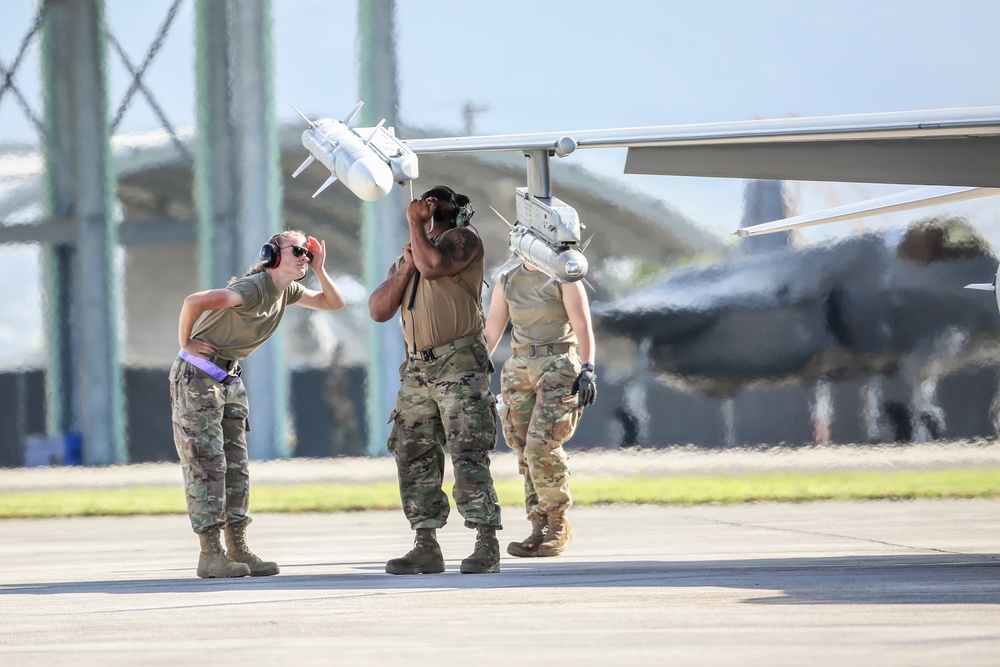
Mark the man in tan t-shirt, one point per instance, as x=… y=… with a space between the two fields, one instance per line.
x=444 y=397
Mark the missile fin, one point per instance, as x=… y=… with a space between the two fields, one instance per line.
x=513 y=261
x=501 y=217
x=548 y=282
x=304 y=117
x=586 y=243
x=309 y=161
x=986 y=287
x=374 y=132
x=587 y=283
x=325 y=185
x=354 y=113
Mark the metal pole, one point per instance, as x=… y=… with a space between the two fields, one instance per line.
x=61 y=385
x=259 y=209
x=384 y=229
x=85 y=295
x=538 y=174
x=215 y=153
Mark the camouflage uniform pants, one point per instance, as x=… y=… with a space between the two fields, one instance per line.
x=444 y=404
x=210 y=424
x=540 y=416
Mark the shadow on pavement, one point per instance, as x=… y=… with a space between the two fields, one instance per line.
x=905 y=579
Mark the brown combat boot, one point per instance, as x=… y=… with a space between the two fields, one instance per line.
x=424 y=558
x=528 y=547
x=236 y=549
x=213 y=563
x=559 y=535
x=486 y=557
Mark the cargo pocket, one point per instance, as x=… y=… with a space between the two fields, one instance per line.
x=482 y=415
x=392 y=444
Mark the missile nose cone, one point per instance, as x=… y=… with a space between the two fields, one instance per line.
x=369 y=178
x=576 y=267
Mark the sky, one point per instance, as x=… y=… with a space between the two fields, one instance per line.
x=556 y=65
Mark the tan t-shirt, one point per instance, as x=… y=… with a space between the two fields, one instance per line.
x=537 y=313
x=444 y=309
x=238 y=331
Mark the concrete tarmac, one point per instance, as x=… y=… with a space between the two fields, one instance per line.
x=870 y=583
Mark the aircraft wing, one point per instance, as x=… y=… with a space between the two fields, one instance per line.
x=956 y=147
x=901 y=201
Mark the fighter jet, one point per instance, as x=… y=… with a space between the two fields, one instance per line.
x=867 y=309
x=859 y=307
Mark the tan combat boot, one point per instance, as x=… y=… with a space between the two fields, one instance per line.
x=485 y=559
x=528 y=547
x=424 y=558
x=212 y=562
x=236 y=549
x=559 y=535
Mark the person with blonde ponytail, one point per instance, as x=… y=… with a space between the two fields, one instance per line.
x=218 y=328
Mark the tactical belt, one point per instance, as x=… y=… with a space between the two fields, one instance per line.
x=432 y=353
x=532 y=351
x=217 y=373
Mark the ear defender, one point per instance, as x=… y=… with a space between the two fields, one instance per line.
x=270 y=254
x=463 y=206
x=463 y=210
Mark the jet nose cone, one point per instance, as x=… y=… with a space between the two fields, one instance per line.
x=369 y=178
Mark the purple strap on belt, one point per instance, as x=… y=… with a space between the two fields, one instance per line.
x=220 y=374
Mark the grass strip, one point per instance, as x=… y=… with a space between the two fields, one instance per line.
x=678 y=490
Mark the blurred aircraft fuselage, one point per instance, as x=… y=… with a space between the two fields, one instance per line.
x=846 y=310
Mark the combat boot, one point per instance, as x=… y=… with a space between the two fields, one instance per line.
x=212 y=562
x=486 y=557
x=528 y=547
x=236 y=549
x=559 y=534
x=424 y=558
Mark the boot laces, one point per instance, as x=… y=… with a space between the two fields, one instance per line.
x=215 y=542
x=240 y=542
x=485 y=538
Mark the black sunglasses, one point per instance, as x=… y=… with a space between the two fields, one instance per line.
x=298 y=251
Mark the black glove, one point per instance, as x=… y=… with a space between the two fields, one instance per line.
x=586 y=386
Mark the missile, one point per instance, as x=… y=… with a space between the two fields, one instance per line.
x=366 y=160
x=564 y=264
x=547 y=235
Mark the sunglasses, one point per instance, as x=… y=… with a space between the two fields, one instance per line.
x=298 y=251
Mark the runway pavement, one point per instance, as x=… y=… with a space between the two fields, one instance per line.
x=873 y=583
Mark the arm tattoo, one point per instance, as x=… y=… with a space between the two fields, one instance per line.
x=460 y=247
